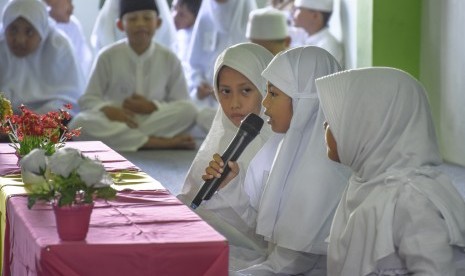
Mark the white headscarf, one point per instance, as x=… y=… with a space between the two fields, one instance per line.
x=105 y=31
x=250 y=60
x=382 y=125
x=218 y=26
x=304 y=186
x=47 y=78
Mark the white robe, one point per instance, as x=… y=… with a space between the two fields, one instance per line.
x=399 y=213
x=325 y=39
x=119 y=72
x=49 y=77
x=84 y=56
x=105 y=31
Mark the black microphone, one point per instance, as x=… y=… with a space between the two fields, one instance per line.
x=248 y=130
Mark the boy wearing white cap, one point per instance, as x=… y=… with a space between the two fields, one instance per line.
x=268 y=27
x=313 y=17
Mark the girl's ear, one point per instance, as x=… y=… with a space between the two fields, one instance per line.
x=119 y=24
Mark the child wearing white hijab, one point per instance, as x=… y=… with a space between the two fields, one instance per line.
x=249 y=60
x=399 y=214
x=105 y=31
x=219 y=24
x=290 y=184
x=38 y=67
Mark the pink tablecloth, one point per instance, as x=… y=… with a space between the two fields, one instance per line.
x=139 y=233
x=112 y=160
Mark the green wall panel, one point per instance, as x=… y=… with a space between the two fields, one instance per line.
x=397 y=34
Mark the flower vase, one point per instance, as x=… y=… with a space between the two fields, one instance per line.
x=73 y=221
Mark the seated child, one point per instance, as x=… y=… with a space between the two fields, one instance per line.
x=399 y=214
x=137 y=96
x=239 y=88
x=62 y=12
x=38 y=67
x=105 y=31
x=293 y=193
x=268 y=27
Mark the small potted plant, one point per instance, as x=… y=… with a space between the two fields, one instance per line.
x=71 y=182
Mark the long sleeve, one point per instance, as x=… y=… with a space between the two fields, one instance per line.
x=93 y=98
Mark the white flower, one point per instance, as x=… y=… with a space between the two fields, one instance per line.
x=92 y=173
x=35 y=161
x=64 y=161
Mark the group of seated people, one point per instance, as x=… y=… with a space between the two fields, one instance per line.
x=341 y=180
x=163 y=85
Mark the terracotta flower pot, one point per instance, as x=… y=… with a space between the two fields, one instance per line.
x=73 y=221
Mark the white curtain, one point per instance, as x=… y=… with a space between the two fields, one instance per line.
x=442 y=72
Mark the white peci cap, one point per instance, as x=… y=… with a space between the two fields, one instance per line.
x=267 y=24
x=319 y=5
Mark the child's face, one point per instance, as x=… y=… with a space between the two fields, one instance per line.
x=331 y=145
x=22 y=38
x=278 y=106
x=306 y=19
x=61 y=10
x=237 y=95
x=182 y=16
x=140 y=27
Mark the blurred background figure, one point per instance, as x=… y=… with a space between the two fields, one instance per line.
x=268 y=28
x=184 y=14
x=105 y=31
x=313 y=16
x=38 y=66
x=61 y=11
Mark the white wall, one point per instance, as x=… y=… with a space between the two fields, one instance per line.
x=356 y=32
x=442 y=72
x=86 y=11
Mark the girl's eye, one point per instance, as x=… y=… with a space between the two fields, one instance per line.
x=246 y=90
x=224 y=91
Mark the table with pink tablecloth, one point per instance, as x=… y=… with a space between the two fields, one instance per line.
x=138 y=233
x=144 y=231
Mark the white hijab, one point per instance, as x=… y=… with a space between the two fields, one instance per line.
x=105 y=31
x=218 y=26
x=382 y=125
x=47 y=78
x=250 y=60
x=304 y=186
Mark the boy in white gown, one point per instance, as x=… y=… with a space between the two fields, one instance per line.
x=290 y=186
x=62 y=12
x=105 y=31
x=313 y=17
x=399 y=214
x=219 y=24
x=249 y=60
x=137 y=96
x=38 y=66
